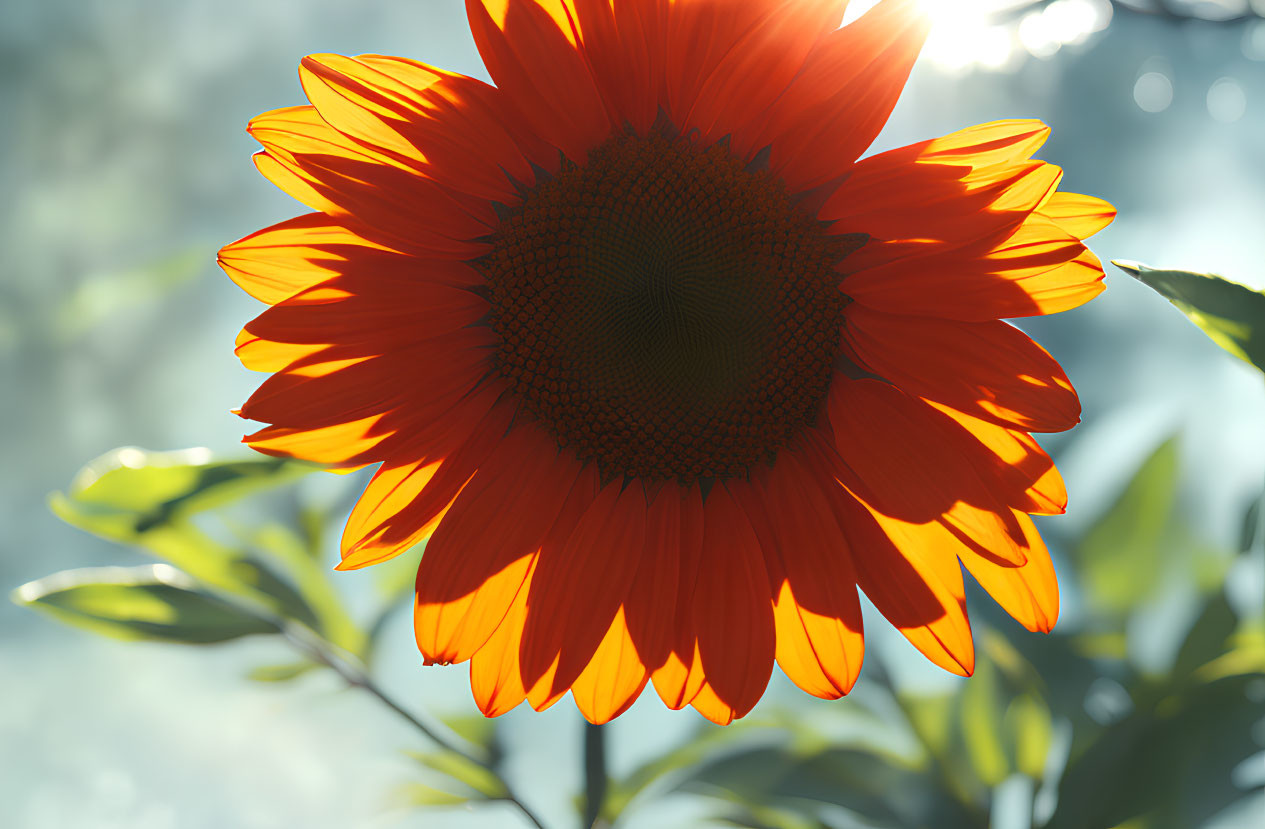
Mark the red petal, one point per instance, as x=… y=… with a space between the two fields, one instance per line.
x=530 y=50
x=732 y=612
x=579 y=587
x=989 y=369
x=842 y=96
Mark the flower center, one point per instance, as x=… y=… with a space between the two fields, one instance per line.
x=666 y=312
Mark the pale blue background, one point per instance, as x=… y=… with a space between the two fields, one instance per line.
x=123 y=148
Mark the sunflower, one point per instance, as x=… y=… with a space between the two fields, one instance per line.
x=663 y=370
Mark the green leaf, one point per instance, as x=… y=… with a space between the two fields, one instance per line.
x=313 y=599
x=1233 y=315
x=693 y=751
x=107 y=295
x=1120 y=558
x=465 y=771
x=147 y=499
x=878 y=787
x=281 y=673
x=1208 y=636
x=1031 y=730
x=129 y=491
x=475 y=729
x=421 y=795
x=1169 y=764
x=1251 y=525
x=980 y=717
x=154 y=601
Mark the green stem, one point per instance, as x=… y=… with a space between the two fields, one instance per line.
x=319 y=651
x=595 y=778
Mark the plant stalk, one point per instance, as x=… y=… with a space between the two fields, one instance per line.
x=595 y=778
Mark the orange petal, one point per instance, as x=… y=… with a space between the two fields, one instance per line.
x=350 y=444
x=1029 y=593
x=367 y=319
x=530 y=49
x=679 y=678
x=339 y=177
x=452 y=128
x=820 y=643
x=732 y=611
x=947 y=191
x=1021 y=471
x=313 y=394
x=279 y=261
x=477 y=551
x=743 y=56
x=910 y=573
x=1081 y=216
x=613 y=679
x=897 y=452
x=1038 y=269
x=656 y=585
x=406 y=499
x=579 y=587
x=990 y=369
x=623 y=46
x=842 y=96
x=495 y=681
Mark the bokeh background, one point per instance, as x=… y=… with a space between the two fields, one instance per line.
x=125 y=166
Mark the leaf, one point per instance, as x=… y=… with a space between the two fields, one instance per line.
x=475 y=729
x=704 y=742
x=281 y=673
x=419 y=794
x=1251 y=525
x=1031 y=730
x=1120 y=556
x=129 y=491
x=313 y=599
x=465 y=771
x=147 y=499
x=980 y=717
x=1233 y=315
x=1170 y=763
x=1208 y=636
x=873 y=785
x=154 y=601
x=106 y=296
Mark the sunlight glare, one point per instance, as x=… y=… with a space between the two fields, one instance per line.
x=970 y=34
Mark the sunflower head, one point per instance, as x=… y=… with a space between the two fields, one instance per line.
x=663 y=369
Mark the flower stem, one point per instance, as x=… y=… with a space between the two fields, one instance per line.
x=594 y=775
x=320 y=651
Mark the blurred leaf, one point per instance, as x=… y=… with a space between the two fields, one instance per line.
x=704 y=742
x=1120 y=556
x=1207 y=637
x=980 y=712
x=313 y=600
x=473 y=728
x=463 y=770
x=931 y=718
x=281 y=596
x=419 y=794
x=129 y=491
x=107 y=295
x=281 y=673
x=754 y=816
x=1233 y=315
x=144 y=498
x=1251 y=524
x=877 y=787
x=1169 y=763
x=150 y=602
x=1031 y=730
